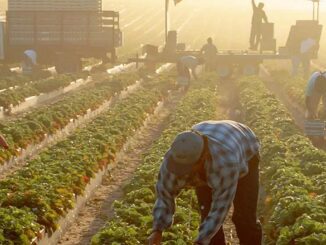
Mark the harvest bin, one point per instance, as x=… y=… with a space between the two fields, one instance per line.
x=62 y=32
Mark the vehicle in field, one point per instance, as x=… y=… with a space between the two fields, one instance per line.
x=61 y=32
x=245 y=61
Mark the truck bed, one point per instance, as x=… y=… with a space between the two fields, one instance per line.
x=63 y=29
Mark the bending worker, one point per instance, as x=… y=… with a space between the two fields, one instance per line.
x=257 y=19
x=220 y=159
x=315 y=91
x=29 y=61
x=185 y=65
x=209 y=51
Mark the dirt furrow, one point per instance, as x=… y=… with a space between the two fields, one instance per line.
x=294 y=108
x=99 y=209
x=228 y=104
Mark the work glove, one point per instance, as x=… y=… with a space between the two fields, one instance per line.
x=155 y=238
x=3 y=143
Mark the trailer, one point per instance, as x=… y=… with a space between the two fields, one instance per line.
x=304 y=33
x=61 y=32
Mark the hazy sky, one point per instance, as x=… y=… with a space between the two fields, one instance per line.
x=272 y=4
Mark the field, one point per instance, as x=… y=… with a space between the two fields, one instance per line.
x=85 y=149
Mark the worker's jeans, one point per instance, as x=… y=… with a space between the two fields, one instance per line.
x=244 y=216
x=312 y=103
x=255 y=36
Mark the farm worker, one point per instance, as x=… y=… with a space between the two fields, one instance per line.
x=29 y=61
x=3 y=142
x=257 y=19
x=220 y=159
x=304 y=56
x=315 y=91
x=185 y=64
x=209 y=51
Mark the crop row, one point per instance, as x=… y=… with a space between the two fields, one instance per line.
x=10 y=79
x=294 y=87
x=43 y=191
x=16 y=95
x=133 y=214
x=34 y=126
x=293 y=170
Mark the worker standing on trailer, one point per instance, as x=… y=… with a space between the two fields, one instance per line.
x=257 y=19
x=315 y=91
x=220 y=159
x=185 y=65
x=209 y=51
x=29 y=61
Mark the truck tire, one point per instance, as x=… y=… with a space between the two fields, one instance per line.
x=250 y=69
x=67 y=63
x=225 y=71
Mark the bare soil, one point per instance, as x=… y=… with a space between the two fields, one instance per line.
x=294 y=108
x=227 y=107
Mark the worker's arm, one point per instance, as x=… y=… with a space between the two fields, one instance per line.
x=265 y=18
x=223 y=182
x=203 y=49
x=194 y=73
x=254 y=6
x=164 y=208
x=3 y=142
x=311 y=115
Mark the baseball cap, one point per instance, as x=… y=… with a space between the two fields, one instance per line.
x=185 y=152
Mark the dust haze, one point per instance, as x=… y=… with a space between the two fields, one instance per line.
x=228 y=22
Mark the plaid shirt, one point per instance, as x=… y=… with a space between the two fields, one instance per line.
x=231 y=146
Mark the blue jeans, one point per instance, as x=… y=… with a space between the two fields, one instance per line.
x=247 y=225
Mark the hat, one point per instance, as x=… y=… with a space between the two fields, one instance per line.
x=185 y=152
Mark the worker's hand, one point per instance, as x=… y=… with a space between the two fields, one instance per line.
x=3 y=143
x=155 y=238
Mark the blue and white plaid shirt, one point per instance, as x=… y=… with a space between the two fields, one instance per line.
x=231 y=145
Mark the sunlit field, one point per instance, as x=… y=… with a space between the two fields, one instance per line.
x=86 y=132
x=228 y=23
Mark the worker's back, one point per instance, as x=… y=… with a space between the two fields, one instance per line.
x=190 y=62
x=209 y=50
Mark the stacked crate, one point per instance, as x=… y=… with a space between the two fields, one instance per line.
x=268 y=42
x=54 y=5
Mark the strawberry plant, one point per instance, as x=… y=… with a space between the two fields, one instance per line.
x=32 y=127
x=47 y=187
x=291 y=166
x=133 y=220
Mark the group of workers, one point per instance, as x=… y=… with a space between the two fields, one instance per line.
x=220 y=159
x=187 y=65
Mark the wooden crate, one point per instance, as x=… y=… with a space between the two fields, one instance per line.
x=314 y=128
x=55 y=5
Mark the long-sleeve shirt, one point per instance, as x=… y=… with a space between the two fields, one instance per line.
x=209 y=50
x=231 y=146
x=310 y=89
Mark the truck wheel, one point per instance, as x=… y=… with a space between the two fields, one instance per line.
x=224 y=71
x=67 y=63
x=250 y=69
